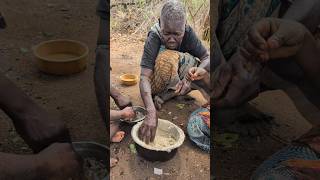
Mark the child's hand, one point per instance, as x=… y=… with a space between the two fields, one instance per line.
x=127 y=113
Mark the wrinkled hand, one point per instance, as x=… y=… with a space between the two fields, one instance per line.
x=59 y=161
x=238 y=82
x=127 y=113
x=147 y=130
x=272 y=38
x=196 y=73
x=183 y=87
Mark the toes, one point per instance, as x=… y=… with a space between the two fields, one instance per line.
x=113 y=162
x=118 y=136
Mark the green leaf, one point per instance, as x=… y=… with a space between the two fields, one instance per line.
x=133 y=148
x=24 y=50
x=180 y=106
x=226 y=139
x=47 y=34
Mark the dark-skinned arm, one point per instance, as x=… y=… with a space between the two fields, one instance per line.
x=115 y=115
x=126 y=113
x=14 y=166
x=306 y=12
x=308 y=58
x=197 y=49
x=205 y=62
x=58 y=161
x=101 y=72
x=286 y=39
x=38 y=128
x=148 y=128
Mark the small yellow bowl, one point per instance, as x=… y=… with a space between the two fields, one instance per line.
x=129 y=79
x=61 y=56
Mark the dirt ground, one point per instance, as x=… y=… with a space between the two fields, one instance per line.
x=72 y=97
x=189 y=162
x=237 y=162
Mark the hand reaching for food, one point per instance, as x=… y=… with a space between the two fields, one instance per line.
x=128 y=113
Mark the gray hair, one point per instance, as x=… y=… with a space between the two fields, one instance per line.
x=173 y=10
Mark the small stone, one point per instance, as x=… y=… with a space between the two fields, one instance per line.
x=157 y=171
x=24 y=148
x=50 y=5
x=67 y=17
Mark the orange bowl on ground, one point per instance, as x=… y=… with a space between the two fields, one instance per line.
x=61 y=56
x=129 y=79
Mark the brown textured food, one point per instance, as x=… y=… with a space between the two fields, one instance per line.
x=93 y=169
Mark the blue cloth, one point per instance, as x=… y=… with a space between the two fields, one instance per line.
x=272 y=169
x=198 y=131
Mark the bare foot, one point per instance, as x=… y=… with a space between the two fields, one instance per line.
x=158 y=102
x=113 y=162
x=114 y=128
x=118 y=137
x=120 y=100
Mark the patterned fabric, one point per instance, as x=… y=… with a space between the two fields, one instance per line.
x=171 y=67
x=236 y=17
x=198 y=131
x=272 y=169
x=165 y=71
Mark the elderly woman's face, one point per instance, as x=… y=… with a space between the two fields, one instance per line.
x=2 y=22
x=172 y=33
